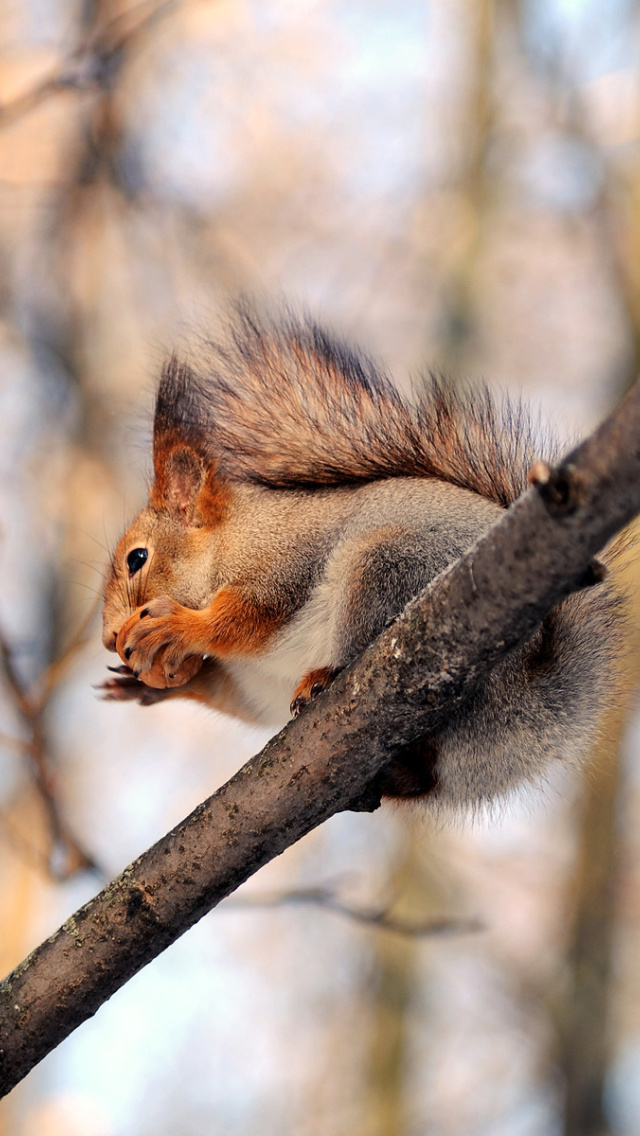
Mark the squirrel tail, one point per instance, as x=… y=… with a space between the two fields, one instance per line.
x=288 y=406
x=543 y=704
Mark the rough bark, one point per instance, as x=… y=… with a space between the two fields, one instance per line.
x=403 y=685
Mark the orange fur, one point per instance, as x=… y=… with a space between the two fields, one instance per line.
x=312 y=684
x=199 y=495
x=237 y=625
x=159 y=639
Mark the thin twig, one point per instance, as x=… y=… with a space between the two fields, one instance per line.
x=52 y=675
x=91 y=64
x=30 y=705
x=380 y=918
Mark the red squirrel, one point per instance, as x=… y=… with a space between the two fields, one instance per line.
x=299 y=502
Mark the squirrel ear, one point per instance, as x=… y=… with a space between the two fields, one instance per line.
x=186 y=483
x=180 y=477
x=179 y=467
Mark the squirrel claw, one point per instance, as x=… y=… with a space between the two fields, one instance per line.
x=126 y=688
x=311 y=686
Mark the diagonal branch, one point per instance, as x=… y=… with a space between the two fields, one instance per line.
x=408 y=682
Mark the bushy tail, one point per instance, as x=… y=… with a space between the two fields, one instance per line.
x=289 y=406
x=541 y=705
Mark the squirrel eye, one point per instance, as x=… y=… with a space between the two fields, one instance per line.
x=136 y=559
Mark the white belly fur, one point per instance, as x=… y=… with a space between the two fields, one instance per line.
x=267 y=681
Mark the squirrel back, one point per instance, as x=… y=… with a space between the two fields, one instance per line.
x=300 y=500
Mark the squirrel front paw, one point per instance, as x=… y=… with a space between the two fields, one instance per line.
x=157 y=643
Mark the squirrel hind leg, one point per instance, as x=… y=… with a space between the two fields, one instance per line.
x=368 y=580
x=376 y=577
x=411 y=773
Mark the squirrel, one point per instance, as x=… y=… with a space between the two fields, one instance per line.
x=299 y=502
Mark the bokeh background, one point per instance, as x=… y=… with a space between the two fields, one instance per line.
x=451 y=183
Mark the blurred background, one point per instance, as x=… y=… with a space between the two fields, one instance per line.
x=453 y=183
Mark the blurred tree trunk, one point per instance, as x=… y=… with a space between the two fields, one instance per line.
x=584 y=1019
x=584 y=1045
x=384 y=1111
x=476 y=116
x=398 y=988
x=23 y=876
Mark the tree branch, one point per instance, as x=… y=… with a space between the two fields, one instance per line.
x=93 y=62
x=30 y=703
x=405 y=684
x=381 y=917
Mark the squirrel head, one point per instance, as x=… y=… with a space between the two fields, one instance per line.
x=168 y=548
